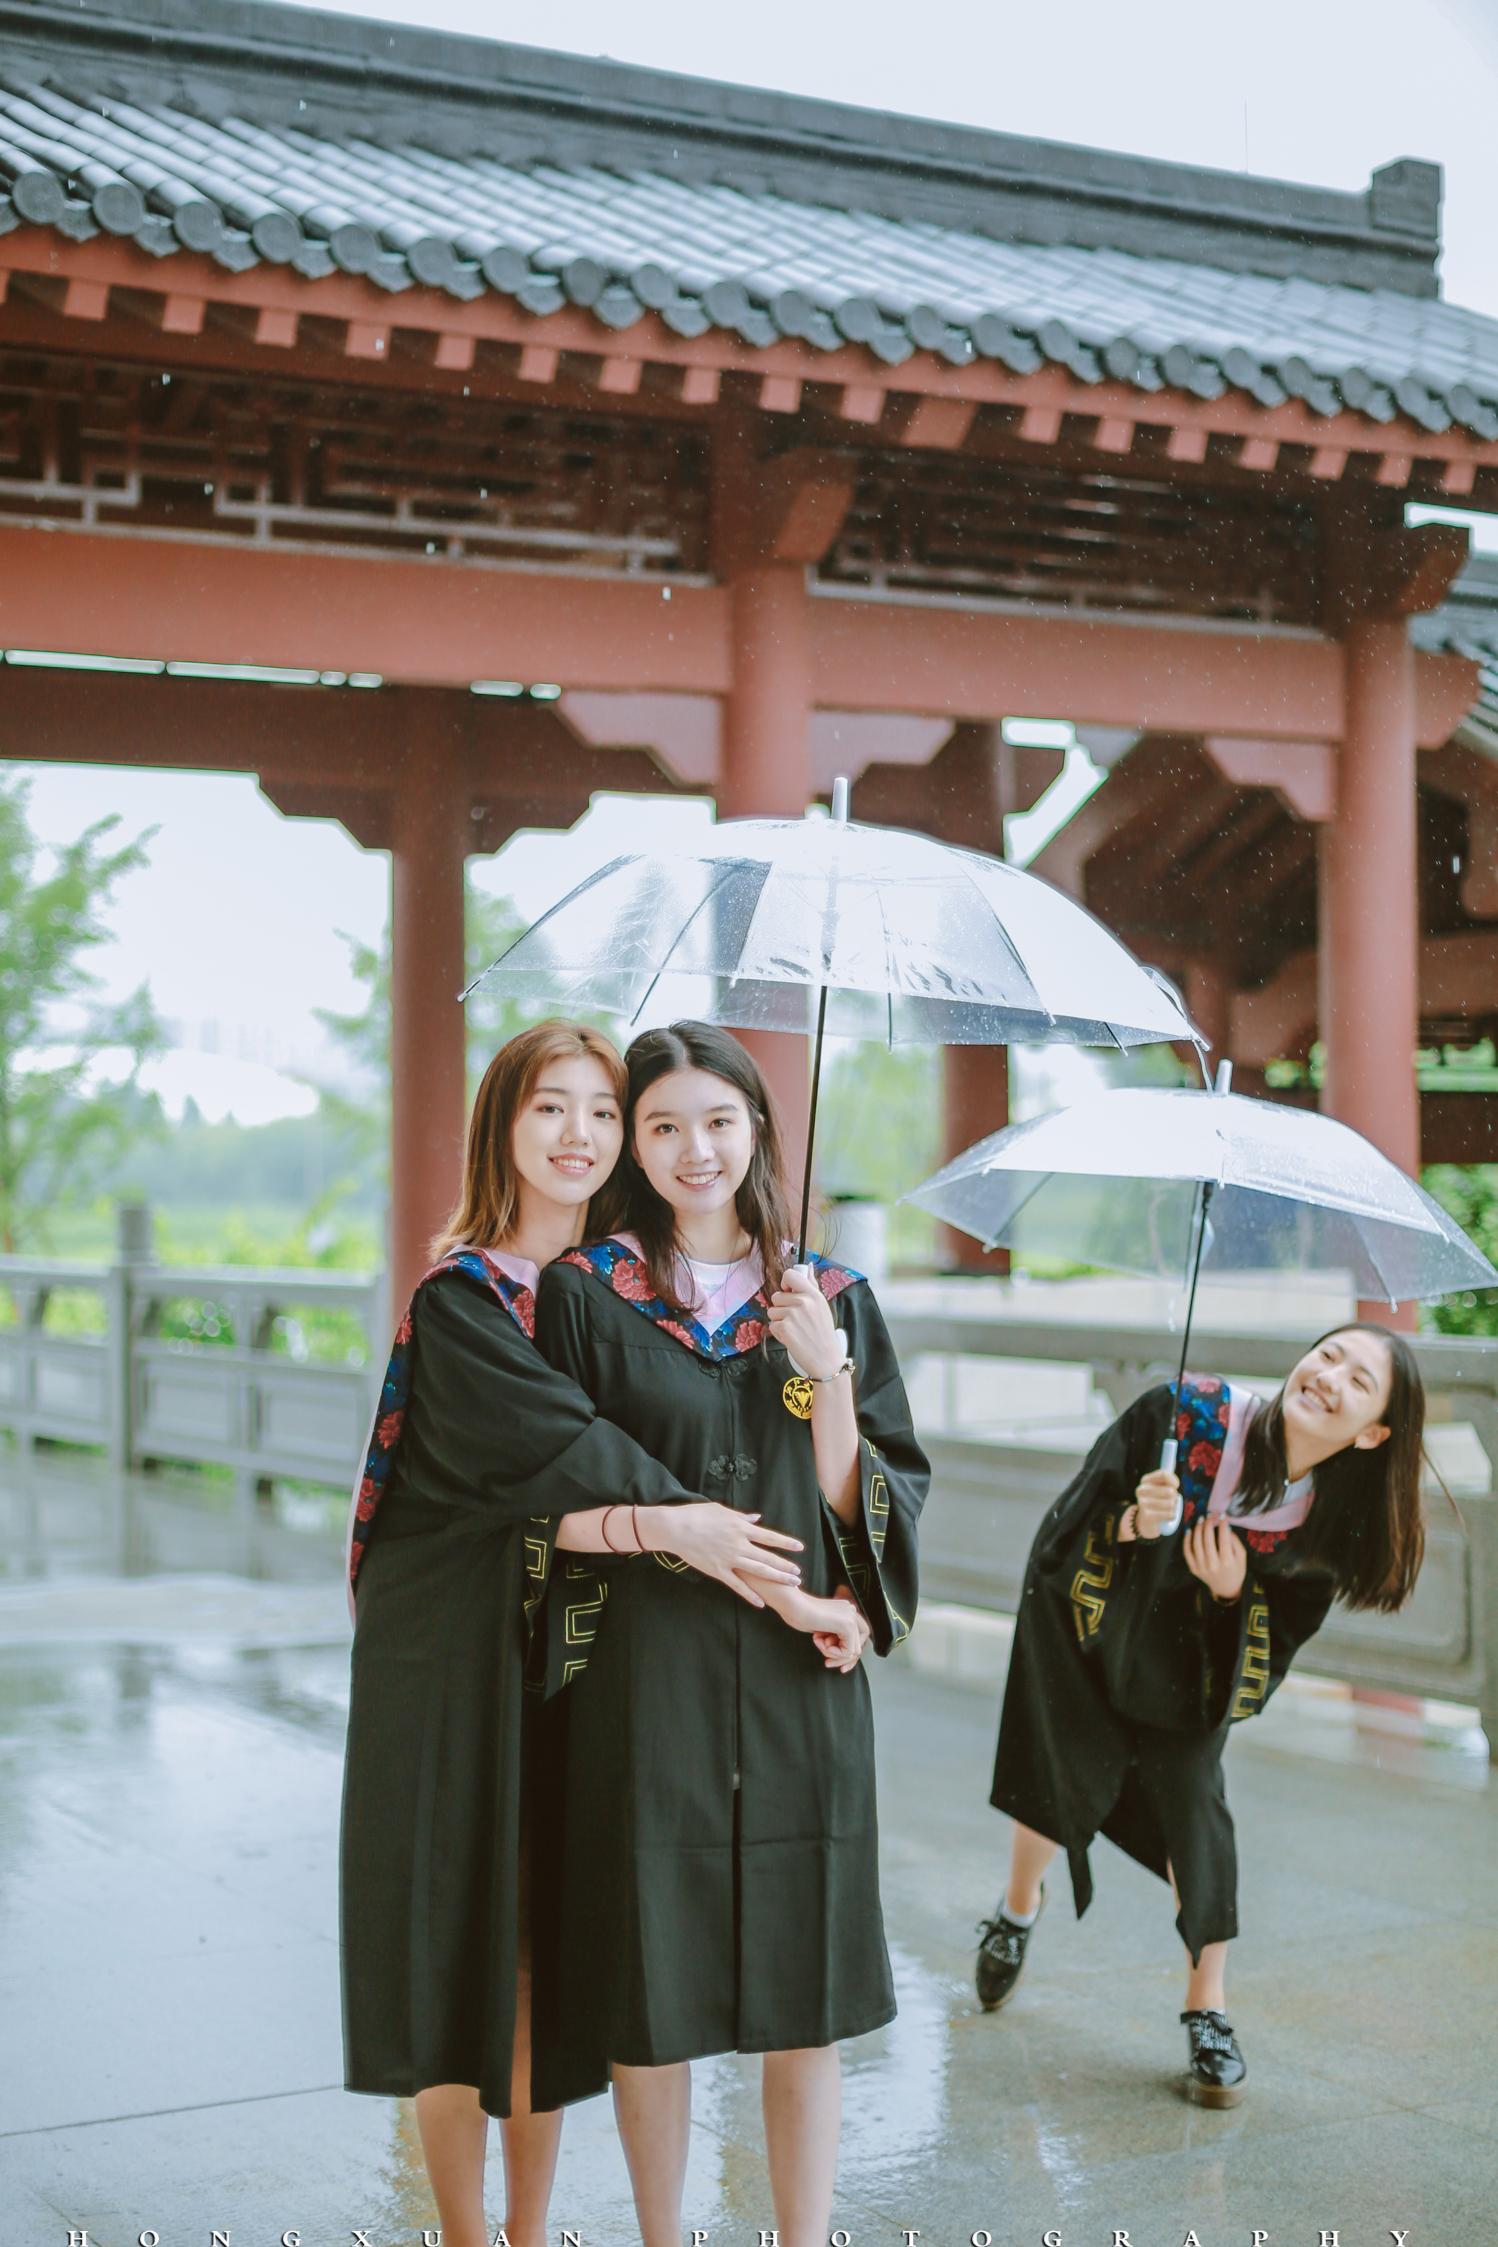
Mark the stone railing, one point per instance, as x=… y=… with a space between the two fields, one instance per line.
x=992 y=1485
x=238 y=1398
x=226 y=1391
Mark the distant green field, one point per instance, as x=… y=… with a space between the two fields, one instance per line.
x=247 y=1233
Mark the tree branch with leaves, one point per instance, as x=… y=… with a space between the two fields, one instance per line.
x=70 y=1098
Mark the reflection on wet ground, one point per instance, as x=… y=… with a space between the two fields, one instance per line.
x=169 y=1773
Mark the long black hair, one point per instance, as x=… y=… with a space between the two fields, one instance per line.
x=629 y=1203
x=1366 y=1525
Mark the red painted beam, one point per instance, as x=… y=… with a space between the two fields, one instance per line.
x=432 y=623
x=427 y=623
x=1169 y=679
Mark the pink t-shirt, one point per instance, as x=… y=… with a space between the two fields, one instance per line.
x=715 y=1291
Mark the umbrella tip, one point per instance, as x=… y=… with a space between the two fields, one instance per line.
x=840 y=799
x=1224 y=1078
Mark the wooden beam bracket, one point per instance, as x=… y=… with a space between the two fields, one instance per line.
x=780 y=394
x=1186 y=444
x=621 y=376
x=538 y=362
x=942 y=424
x=861 y=402
x=1113 y=434
x=367 y=339
x=1040 y=425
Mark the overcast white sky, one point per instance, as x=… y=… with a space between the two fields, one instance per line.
x=235 y=921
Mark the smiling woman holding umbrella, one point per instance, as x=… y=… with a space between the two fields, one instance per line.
x=1135 y=1650
x=720 y=1885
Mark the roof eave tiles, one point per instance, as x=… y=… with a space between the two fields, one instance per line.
x=467 y=166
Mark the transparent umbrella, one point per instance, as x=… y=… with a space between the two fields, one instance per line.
x=1160 y=1182
x=825 y=925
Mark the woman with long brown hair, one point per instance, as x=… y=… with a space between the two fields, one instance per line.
x=482 y=1462
x=1136 y=1649
x=720 y=1887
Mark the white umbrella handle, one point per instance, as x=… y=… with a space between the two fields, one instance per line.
x=1168 y=1451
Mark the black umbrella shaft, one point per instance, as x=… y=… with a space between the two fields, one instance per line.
x=811 y=1125
x=1196 y=1265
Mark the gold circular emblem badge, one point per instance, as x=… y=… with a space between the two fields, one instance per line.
x=796 y=1396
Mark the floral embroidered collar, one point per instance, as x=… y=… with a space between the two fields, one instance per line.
x=1203 y=1422
x=395 y=1392
x=744 y=1329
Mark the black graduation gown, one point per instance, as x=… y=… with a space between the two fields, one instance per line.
x=1125 y=1675
x=494 y=1448
x=720 y=1888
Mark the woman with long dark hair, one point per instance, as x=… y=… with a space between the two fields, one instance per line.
x=482 y=1462
x=720 y=1885
x=1135 y=1650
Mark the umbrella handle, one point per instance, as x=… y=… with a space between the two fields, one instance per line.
x=1168 y=1451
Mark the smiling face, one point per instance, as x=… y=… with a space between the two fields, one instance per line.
x=567 y=1137
x=694 y=1141
x=1337 y=1396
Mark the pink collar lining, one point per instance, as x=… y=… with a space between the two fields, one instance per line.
x=520 y=1269
x=1296 y=1503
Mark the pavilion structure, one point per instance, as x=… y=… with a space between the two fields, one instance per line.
x=444 y=430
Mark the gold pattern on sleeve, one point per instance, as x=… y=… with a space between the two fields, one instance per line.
x=580 y=1617
x=878 y=1504
x=1253 y=1679
x=538 y=1551
x=1089 y=1588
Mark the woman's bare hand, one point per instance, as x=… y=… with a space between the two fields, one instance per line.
x=826 y=1643
x=1155 y=1502
x=801 y=1318
x=1216 y=1555
x=838 y=1630
x=718 y=1542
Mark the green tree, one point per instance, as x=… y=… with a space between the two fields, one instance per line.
x=491 y=924
x=68 y=1113
x=1469 y=1193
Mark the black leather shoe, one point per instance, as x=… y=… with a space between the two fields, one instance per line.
x=1215 y=2068
x=1001 y=1956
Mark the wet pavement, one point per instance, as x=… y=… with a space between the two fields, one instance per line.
x=169 y=1773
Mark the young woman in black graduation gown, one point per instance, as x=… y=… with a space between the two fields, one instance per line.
x=482 y=1459
x=720 y=1884
x=1134 y=1651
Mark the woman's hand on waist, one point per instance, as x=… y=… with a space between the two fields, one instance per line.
x=718 y=1542
x=1154 y=1503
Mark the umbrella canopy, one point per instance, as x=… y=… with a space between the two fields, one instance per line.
x=1113 y=1181
x=912 y=941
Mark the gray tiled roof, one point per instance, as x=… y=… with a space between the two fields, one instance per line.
x=1466 y=623
x=624 y=236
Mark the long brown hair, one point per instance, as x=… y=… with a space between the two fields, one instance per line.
x=629 y=1203
x=1366 y=1525
x=485 y=1211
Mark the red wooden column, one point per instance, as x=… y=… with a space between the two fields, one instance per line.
x=767 y=774
x=975 y=1082
x=1370 y=910
x=428 y=1095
